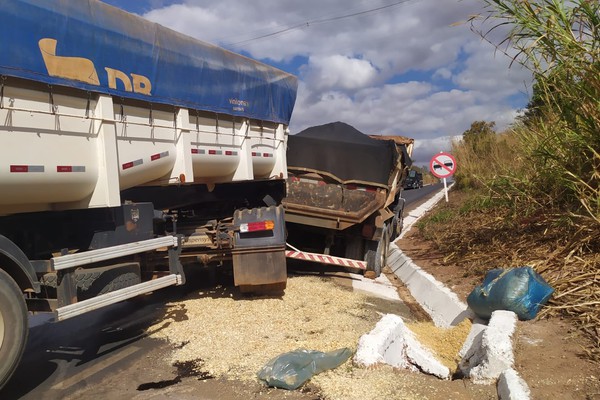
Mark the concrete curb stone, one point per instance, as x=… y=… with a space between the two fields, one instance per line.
x=487 y=353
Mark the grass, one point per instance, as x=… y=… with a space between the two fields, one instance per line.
x=531 y=194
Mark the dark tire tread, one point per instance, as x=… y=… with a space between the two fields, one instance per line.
x=93 y=282
x=16 y=326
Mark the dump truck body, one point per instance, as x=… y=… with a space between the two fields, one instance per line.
x=343 y=197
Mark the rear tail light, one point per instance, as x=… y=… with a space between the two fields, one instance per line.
x=258 y=226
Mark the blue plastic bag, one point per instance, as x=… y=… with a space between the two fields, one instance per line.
x=521 y=290
x=291 y=370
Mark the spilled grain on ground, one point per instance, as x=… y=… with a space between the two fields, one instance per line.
x=235 y=336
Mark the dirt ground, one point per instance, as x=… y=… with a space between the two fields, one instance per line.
x=548 y=352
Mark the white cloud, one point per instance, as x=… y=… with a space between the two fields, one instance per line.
x=338 y=71
x=414 y=69
x=488 y=71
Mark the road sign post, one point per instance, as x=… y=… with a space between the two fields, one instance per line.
x=443 y=165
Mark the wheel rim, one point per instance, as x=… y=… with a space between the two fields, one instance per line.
x=1 y=329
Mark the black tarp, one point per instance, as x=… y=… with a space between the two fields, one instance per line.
x=343 y=151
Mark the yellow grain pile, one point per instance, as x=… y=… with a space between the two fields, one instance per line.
x=445 y=343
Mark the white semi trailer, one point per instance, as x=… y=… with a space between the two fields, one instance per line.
x=127 y=151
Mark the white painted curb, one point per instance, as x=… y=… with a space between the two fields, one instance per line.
x=486 y=362
x=487 y=352
x=392 y=343
x=512 y=387
x=443 y=305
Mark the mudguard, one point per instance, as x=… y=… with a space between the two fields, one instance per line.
x=20 y=268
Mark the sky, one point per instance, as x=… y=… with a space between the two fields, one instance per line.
x=412 y=68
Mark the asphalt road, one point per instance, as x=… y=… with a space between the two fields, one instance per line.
x=414 y=197
x=62 y=359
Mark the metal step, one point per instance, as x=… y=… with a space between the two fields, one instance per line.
x=94 y=303
x=93 y=256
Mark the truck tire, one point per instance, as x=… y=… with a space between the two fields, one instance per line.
x=93 y=282
x=377 y=258
x=397 y=223
x=13 y=326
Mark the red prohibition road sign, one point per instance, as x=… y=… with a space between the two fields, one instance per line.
x=442 y=165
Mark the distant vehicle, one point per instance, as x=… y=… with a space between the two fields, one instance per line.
x=414 y=180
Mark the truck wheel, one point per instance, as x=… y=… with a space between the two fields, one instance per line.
x=377 y=258
x=13 y=326
x=396 y=227
x=92 y=282
x=397 y=223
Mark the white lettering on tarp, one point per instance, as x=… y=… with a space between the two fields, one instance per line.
x=239 y=105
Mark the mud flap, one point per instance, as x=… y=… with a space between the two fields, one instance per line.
x=260 y=268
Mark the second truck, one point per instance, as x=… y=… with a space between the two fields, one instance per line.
x=344 y=204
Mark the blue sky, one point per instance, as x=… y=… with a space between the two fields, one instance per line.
x=393 y=67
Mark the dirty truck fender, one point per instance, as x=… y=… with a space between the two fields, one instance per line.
x=17 y=265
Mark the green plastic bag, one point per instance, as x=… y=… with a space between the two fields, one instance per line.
x=290 y=370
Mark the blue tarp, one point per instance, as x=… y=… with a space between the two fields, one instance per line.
x=93 y=46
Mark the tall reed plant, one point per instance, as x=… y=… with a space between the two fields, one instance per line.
x=559 y=41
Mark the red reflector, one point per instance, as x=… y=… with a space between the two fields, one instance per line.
x=154 y=157
x=19 y=168
x=254 y=154
x=194 y=151
x=212 y=152
x=128 y=165
x=229 y=153
x=64 y=168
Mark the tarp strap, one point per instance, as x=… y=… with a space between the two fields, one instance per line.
x=87 y=106
x=217 y=122
x=197 y=122
x=150 y=117
x=51 y=99
x=123 y=116
x=175 y=110
x=2 y=80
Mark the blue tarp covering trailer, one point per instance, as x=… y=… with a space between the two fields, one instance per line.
x=96 y=47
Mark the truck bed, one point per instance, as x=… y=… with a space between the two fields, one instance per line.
x=338 y=176
x=329 y=204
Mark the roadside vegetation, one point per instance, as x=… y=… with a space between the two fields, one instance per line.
x=530 y=195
